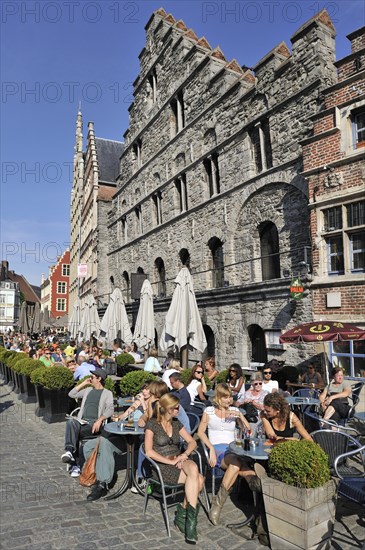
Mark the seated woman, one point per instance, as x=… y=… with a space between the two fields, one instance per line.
x=278 y=420
x=254 y=398
x=140 y=403
x=220 y=421
x=196 y=384
x=334 y=398
x=162 y=444
x=235 y=379
x=209 y=367
x=152 y=364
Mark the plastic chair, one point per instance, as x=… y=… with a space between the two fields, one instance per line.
x=337 y=445
x=352 y=488
x=158 y=489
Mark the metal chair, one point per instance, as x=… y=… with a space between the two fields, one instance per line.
x=194 y=422
x=305 y=392
x=355 y=396
x=337 y=445
x=313 y=422
x=163 y=492
x=216 y=473
x=352 y=488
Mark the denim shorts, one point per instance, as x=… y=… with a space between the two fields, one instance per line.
x=221 y=451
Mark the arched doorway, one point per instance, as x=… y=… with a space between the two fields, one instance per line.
x=210 y=338
x=258 y=344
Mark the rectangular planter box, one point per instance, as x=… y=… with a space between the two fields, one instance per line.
x=29 y=395
x=39 y=411
x=299 y=518
x=57 y=405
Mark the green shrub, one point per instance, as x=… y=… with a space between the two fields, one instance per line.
x=37 y=375
x=132 y=382
x=15 y=360
x=29 y=366
x=221 y=377
x=185 y=375
x=20 y=365
x=122 y=361
x=56 y=378
x=299 y=463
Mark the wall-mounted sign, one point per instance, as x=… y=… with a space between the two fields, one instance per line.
x=296 y=289
x=81 y=271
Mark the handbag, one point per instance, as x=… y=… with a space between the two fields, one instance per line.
x=252 y=413
x=88 y=474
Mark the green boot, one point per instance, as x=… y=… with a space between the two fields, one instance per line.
x=191 y=535
x=180 y=518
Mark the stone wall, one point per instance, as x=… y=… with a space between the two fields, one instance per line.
x=250 y=126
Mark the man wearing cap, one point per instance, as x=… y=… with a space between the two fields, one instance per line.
x=96 y=406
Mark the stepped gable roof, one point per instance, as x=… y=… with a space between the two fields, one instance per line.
x=321 y=17
x=27 y=289
x=170 y=19
x=181 y=25
x=161 y=12
x=203 y=42
x=234 y=66
x=217 y=53
x=281 y=50
x=191 y=34
x=108 y=154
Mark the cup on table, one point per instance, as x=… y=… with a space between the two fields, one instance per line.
x=115 y=417
x=238 y=437
x=130 y=421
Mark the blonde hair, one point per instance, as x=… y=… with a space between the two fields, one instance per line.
x=153 y=352
x=167 y=401
x=221 y=390
x=175 y=364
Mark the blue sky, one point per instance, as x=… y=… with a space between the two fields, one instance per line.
x=55 y=54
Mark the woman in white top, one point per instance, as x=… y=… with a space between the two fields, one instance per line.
x=196 y=385
x=220 y=421
x=152 y=365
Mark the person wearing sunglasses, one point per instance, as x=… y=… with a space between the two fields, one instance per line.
x=312 y=377
x=254 y=398
x=235 y=379
x=196 y=384
x=269 y=384
x=162 y=444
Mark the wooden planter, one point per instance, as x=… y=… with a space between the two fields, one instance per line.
x=57 y=405
x=40 y=408
x=299 y=518
x=29 y=395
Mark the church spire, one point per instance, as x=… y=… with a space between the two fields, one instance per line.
x=78 y=144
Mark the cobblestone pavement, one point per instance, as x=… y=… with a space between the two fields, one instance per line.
x=42 y=507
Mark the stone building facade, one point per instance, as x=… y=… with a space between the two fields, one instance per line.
x=211 y=177
x=335 y=169
x=94 y=176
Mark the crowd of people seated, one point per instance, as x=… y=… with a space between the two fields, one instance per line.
x=161 y=407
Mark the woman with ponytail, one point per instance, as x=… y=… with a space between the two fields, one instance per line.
x=162 y=444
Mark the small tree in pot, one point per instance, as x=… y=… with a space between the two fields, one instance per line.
x=299 y=496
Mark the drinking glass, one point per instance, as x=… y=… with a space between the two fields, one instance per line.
x=130 y=421
x=238 y=437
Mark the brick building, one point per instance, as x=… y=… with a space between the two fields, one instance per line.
x=56 y=296
x=94 y=176
x=211 y=177
x=334 y=166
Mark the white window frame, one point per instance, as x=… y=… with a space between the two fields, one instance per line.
x=64 y=285
x=65 y=270
x=59 y=302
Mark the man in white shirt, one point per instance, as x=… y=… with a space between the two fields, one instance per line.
x=269 y=385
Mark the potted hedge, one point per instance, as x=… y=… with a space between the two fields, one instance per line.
x=299 y=496
x=4 y=356
x=123 y=361
x=13 y=363
x=36 y=378
x=27 y=366
x=57 y=382
x=133 y=381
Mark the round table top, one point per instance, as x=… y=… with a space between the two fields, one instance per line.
x=302 y=400
x=260 y=452
x=118 y=428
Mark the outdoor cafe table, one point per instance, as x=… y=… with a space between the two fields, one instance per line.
x=117 y=428
x=302 y=400
x=259 y=452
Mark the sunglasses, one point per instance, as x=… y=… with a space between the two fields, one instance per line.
x=257 y=384
x=267 y=372
x=198 y=372
x=174 y=408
